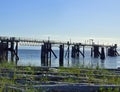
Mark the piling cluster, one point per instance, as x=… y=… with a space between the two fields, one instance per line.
x=6 y=46
x=76 y=51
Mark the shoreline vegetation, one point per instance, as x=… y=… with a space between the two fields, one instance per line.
x=50 y=79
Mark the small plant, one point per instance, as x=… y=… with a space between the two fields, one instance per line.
x=102 y=89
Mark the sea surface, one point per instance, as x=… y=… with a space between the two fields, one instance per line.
x=32 y=57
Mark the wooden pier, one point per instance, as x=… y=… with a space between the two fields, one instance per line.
x=10 y=44
x=56 y=79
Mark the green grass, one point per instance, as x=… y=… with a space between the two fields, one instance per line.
x=92 y=76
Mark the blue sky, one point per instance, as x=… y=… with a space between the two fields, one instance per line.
x=61 y=19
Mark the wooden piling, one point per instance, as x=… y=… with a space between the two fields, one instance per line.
x=12 y=48
x=96 y=51
x=67 y=54
x=43 y=55
x=91 y=52
x=7 y=46
x=16 y=52
x=46 y=54
x=73 y=52
x=77 y=51
x=61 y=55
x=68 y=50
x=3 y=51
x=102 y=55
x=84 y=51
x=49 y=53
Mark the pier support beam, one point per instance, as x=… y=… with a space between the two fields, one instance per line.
x=77 y=49
x=16 y=52
x=6 y=51
x=61 y=55
x=102 y=55
x=73 y=52
x=43 y=55
x=91 y=52
x=67 y=54
x=82 y=53
x=3 y=51
x=96 y=51
x=12 y=48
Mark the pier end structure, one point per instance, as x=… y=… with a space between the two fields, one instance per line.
x=112 y=51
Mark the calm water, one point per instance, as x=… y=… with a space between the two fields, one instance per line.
x=32 y=57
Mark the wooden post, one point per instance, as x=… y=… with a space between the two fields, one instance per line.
x=96 y=51
x=12 y=48
x=91 y=52
x=49 y=53
x=102 y=55
x=6 y=51
x=61 y=55
x=83 y=51
x=46 y=54
x=68 y=50
x=43 y=55
x=77 y=51
x=16 y=50
x=67 y=54
x=73 y=52
x=1 y=51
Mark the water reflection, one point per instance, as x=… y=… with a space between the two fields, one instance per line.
x=75 y=62
x=102 y=63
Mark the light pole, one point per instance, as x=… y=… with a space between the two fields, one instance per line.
x=91 y=41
